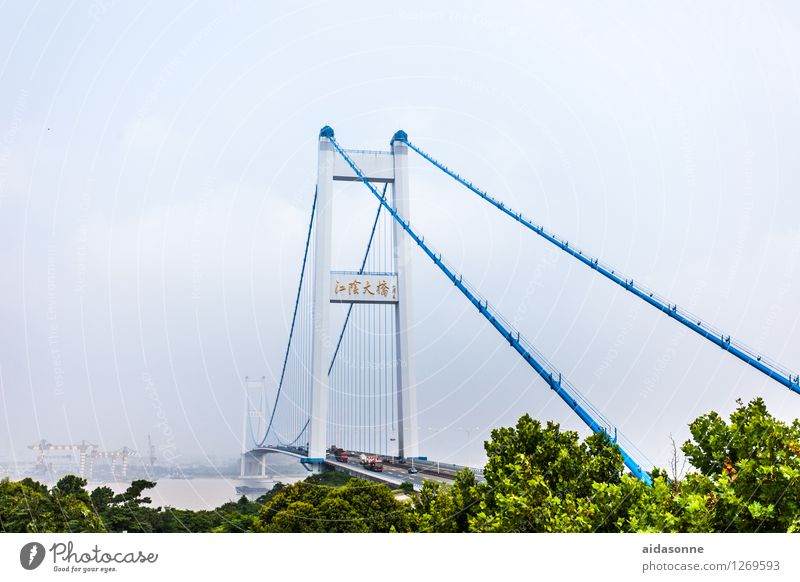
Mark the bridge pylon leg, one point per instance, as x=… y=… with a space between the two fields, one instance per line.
x=320 y=309
x=408 y=432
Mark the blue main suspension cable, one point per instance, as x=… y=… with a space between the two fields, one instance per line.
x=772 y=369
x=590 y=415
x=294 y=318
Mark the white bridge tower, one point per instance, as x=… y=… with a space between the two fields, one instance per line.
x=377 y=167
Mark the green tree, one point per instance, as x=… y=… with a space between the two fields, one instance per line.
x=71 y=485
x=750 y=469
x=407 y=487
x=337 y=515
x=446 y=508
x=27 y=506
x=358 y=506
x=101 y=498
x=374 y=504
x=296 y=517
x=127 y=511
x=542 y=479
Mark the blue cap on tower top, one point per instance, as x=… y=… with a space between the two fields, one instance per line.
x=399 y=135
x=326 y=131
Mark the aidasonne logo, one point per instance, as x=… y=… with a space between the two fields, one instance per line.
x=67 y=559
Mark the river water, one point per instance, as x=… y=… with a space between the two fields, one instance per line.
x=196 y=494
x=199 y=493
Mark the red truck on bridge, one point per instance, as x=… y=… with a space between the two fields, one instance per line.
x=373 y=463
x=339 y=454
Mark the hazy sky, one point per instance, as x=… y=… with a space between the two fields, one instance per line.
x=157 y=163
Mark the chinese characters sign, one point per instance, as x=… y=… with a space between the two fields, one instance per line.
x=364 y=288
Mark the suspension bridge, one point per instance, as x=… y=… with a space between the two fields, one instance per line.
x=349 y=393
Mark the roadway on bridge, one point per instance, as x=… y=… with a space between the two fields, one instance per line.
x=394 y=473
x=397 y=473
x=391 y=475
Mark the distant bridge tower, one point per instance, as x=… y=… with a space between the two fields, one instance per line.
x=152 y=449
x=253 y=423
x=378 y=167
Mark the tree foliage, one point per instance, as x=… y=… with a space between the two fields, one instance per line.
x=28 y=506
x=542 y=479
x=312 y=506
x=751 y=468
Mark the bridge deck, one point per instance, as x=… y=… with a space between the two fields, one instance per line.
x=394 y=474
